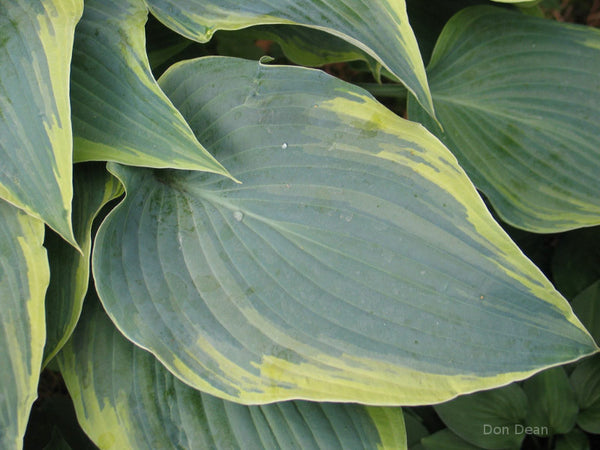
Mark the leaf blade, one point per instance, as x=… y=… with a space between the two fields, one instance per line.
x=587 y=388
x=349 y=20
x=119 y=112
x=36 y=147
x=24 y=276
x=524 y=131
x=128 y=380
x=477 y=418
x=94 y=187
x=321 y=276
x=552 y=403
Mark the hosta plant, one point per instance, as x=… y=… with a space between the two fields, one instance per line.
x=278 y=259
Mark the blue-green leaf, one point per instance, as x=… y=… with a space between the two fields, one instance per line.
x=119 y=112
x=393 y=44
x=518 y=98
x=356 y=262
x=94 y=187
x=36 y=40
x=126 y=399
x=24 y=277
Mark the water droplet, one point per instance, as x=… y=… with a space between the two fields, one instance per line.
x=238 y=215
x=284 y=145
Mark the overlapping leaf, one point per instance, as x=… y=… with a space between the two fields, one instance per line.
x=519 y=99
x=301 y=45
x=586 y=382
x=94 y=187
x=126 y=399
x=552 y=403
x=119 y=112
x=474 y=417
x=356 y=261
x=393 y=45
x=415 y=429
x=24 y=277
x=35 y=123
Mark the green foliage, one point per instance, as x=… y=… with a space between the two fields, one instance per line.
x=518 y=110
x=218 y=251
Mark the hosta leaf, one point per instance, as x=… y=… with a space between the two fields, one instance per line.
x=301 y=45
x=119 y=112
x=94 y=187
x=586 y=382
x=126 y=399
x=35 y=125
x=356 y=262
x=415 y=430
x=518 y=97
x=492 y=419
x=552 y=403
x=393 y=45
x=24 y=277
